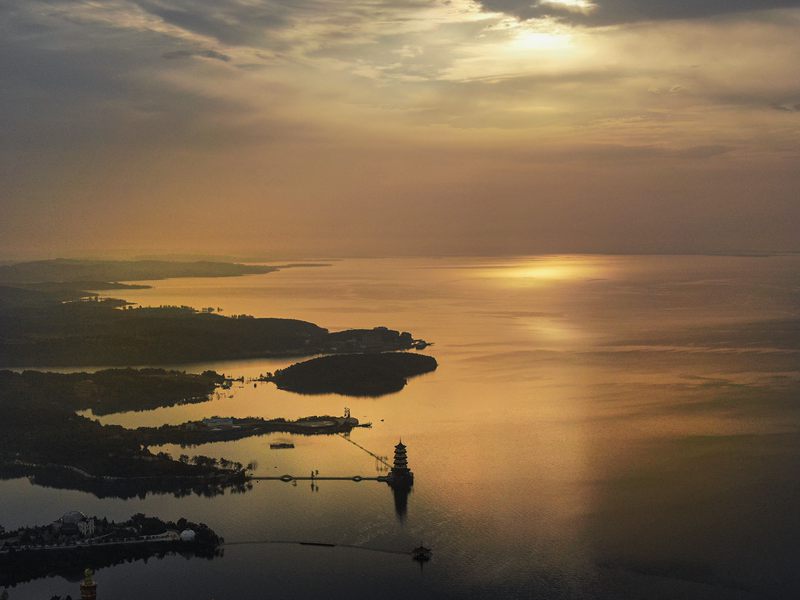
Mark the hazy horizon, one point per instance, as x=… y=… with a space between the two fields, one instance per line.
x=299 y=258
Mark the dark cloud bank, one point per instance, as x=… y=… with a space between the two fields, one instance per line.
x=610 y=12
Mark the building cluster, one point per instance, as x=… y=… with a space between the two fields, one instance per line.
x=219 y=423
x=75 y=529
x=71 y=527
x=378 y=339
x=74 y=523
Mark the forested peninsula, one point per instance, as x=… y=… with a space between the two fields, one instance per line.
x=77 y=272
x=49 y=323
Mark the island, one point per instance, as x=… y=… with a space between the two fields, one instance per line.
x=353 y=374
x=67 y=545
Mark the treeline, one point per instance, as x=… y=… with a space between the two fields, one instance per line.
x=37 y=329
x=112 y=390
x=195 y=433
x=69 y=270
x=97 y=333
x=354 y=374
x=19 y=566
x=40 y=434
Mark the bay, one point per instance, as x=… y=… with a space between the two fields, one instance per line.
x=598 y=426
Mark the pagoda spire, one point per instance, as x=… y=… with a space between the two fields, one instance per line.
x=400 y=473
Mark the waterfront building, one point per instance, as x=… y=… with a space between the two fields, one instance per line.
x=400 y=474
x=88 y=586
x=188 y=535
x=400 y=466
x=216 y=423
x=75 y=522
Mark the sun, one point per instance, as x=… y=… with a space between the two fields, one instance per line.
x=526 y=38
x=578 y=6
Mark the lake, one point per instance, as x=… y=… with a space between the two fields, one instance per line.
x=598 y=427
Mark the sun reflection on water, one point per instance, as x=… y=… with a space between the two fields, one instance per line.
x=549 y=269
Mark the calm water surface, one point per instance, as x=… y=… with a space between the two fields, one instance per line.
x=607 y=427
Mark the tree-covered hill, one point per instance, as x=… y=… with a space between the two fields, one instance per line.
x=354 y=374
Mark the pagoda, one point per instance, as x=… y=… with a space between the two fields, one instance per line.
x=400 y=475
x=88 y=587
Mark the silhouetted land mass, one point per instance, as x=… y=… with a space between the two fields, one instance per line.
x=75 y=290
x=115 y=390
x=12 y=298
x=41 y=436
x=354 y=374
x=76 y=271
x=33 y=552
x=48 y=318
x=39 y=329
x=201 y=432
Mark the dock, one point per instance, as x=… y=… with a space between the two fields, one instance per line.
x=399 y=476
x=288 y=478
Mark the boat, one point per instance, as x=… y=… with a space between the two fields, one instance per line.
x=281 y=446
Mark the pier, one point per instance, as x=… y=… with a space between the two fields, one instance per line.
x=399 y=476
x=288 y=478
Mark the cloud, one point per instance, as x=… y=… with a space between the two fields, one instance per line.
x=788 y=107
x=614 y=12
x=213 y=54
x=337 y=101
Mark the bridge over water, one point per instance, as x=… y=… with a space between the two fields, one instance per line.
x=314 y=477
x=288 y=478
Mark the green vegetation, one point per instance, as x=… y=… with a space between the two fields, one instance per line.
x=201 y=432
x=99 y=333
x=47 y=318
x=41 y=435
x=112 y=390
x=354 y=374
x=38 y=329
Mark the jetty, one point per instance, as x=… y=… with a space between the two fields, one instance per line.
x=399 y=476
x=289 y=478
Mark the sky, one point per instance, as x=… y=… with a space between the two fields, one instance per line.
x=315 y=128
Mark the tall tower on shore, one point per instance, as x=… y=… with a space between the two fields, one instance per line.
x=400 y=479
x=400 y=473
x=88 y=587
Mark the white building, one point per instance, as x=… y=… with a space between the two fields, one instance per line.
x=75 y=522
x=187 y=535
